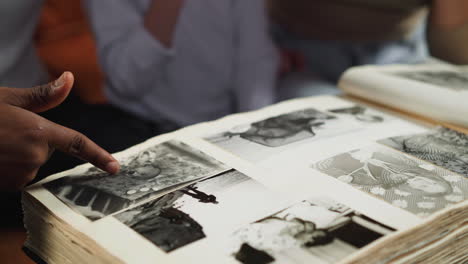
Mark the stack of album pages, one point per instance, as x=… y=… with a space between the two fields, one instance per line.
x=312 y=180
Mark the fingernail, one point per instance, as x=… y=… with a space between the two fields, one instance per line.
x=59 y=82
x=112 y=167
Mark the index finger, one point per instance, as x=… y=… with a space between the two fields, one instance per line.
x=74 y=143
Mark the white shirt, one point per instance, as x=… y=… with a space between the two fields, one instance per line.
x=222 y=60
x=19 y=64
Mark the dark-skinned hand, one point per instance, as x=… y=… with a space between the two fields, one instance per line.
x=27 y=140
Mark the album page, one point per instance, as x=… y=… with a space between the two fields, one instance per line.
x=435 y=91
x=308 y=180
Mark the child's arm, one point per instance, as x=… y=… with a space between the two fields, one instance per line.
x=256 y=59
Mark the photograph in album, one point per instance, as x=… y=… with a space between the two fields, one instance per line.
x=195 y=212
x=96 y=194
x=411 y=184
x=258 y=140
x=441 y=146
x=361 y=114
x=317 y=230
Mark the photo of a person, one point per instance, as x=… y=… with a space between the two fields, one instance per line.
x=96 y=194
x=324 y=229
x=165 y=225
x=407 y=183
x=259 y=140
x=283 y=129
x=144 y=167
x=442 y=146
x=361 y=114
x=198 y=211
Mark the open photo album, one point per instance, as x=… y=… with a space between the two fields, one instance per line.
x=314 y=180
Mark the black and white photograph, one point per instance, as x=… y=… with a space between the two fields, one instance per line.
x=259 y=140
x=456 y=80
x=443 y=147
x=96 y=194
x=317 y=230
x=200 y=210
x=411 y=184
x=361 y=114
x=283 y=129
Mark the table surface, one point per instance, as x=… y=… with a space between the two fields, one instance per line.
x=11 y=242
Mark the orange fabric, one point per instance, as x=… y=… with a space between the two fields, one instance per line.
x=65 y=43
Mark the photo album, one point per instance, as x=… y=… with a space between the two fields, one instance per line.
x=326 y=179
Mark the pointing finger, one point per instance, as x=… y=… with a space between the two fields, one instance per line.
x=78 y=145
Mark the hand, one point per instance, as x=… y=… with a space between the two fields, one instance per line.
x=27 y=140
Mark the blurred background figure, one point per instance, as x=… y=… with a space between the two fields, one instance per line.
x=19 y=64
x=333 y=35
x=176 y=62
x=64 y=41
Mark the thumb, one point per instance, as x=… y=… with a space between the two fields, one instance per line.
x=40 y=98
